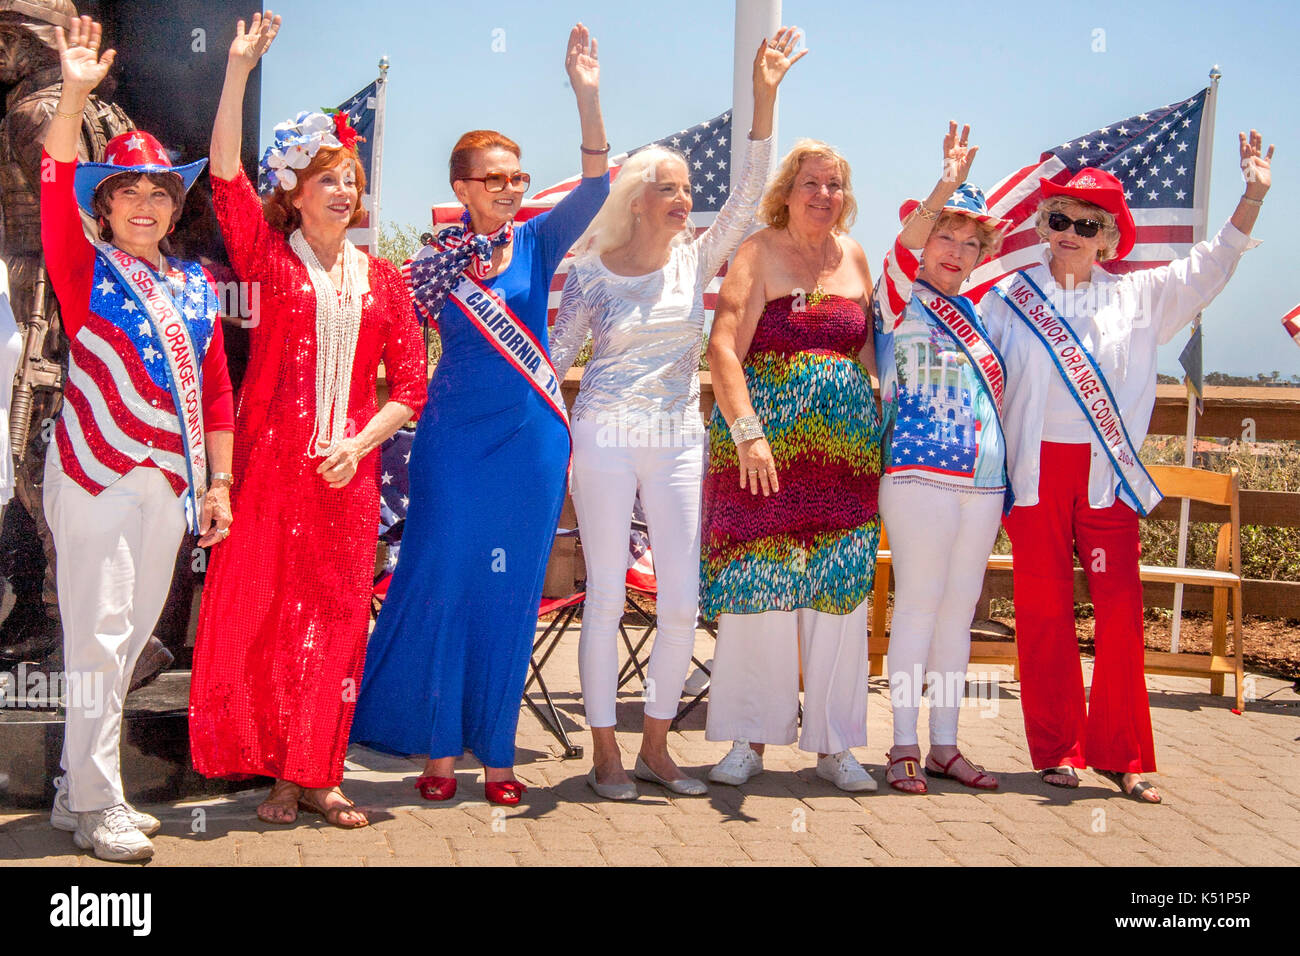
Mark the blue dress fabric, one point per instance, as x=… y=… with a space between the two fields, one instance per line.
x=446 y=664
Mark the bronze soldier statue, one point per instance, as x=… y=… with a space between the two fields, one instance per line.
x=29 y=68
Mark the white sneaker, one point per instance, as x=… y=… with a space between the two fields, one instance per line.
x=112 y=835
x=63 y=817
x=740 y=763
x=843 y=770
x=698 y=682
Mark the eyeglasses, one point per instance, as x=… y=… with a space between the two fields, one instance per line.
x=1085 y=228
x=496 y=182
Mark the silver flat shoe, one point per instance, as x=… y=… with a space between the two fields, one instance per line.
x=687 y=786
x=611 y=791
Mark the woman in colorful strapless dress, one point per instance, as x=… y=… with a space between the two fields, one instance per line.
x=790 y=525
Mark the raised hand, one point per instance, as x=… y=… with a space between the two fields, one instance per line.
x=957 y=156
x=774 y=59
x=83 y=66
x=249 y=45
x=581 y=62
x=1255 y=164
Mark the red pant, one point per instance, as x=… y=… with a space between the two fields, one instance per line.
x=1112 y=730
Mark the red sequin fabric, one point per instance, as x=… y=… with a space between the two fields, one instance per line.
x=283 y=623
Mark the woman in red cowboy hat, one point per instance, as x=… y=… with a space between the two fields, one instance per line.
x=143 y=443
x=943 y=458
x=1080 y=350
x=282 y=629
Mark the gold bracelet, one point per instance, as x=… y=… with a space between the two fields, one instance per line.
x=59 y=112
x=925 y=212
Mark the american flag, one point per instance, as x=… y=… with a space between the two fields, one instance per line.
x=1154 y=154
x=1291 y=322
x=364 y=108
x=707 y=147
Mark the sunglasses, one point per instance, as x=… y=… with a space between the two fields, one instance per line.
x=496 y=182
x=1085 y=228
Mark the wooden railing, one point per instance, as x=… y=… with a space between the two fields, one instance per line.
x=1259 y=414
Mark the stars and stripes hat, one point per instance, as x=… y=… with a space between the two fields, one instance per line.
x=968 y=200
x=1101 y=189
x=132 y=152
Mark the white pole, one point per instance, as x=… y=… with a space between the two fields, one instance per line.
x=755 y=20
x=1201 y=202
x=381 y=94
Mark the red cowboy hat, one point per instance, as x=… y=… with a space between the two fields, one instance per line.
x=1096 y=186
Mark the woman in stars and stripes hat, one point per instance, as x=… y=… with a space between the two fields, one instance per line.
x=143 y=443
x=944 y=459
x=1080 y=350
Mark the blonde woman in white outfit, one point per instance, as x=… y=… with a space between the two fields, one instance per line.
x=638 y=288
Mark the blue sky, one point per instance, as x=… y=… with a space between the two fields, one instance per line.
x=881 y=82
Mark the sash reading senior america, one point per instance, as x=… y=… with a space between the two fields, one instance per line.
x=150 y=294
x=975 y=345
x=1086 y=384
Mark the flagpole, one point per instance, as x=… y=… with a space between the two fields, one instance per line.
x=1201 y=201
x=377 y=155
x=755 y=20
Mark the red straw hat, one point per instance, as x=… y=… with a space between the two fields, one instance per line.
x=1096 y=186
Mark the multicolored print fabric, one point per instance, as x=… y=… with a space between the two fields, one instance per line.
x=813 y=544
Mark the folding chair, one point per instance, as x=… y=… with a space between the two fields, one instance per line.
x=546 y=643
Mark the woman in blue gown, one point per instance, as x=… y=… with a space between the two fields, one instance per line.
x=449 y=654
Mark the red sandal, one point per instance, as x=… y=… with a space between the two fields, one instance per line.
x=507 y=792
x=436 y=788
x=912 y=766
x=983 y=780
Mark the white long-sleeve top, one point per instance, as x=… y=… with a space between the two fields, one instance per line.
x=647 y=330
x=1121 y=321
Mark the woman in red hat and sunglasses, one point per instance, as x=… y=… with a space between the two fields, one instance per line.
x=144 y=441
x=1080 y=350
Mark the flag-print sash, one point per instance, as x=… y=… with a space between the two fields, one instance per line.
x=151 y=295
x=1086 y=384
x=493 y=319
x=975 y=345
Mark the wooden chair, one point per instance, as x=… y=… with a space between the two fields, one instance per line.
x=981 y=652
x=1207 y=487
x=1221 y=491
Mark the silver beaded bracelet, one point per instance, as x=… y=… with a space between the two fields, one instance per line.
x=745 y=428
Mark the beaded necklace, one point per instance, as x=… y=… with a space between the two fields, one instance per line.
x=338 y=325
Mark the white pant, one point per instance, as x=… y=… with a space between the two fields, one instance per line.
x=754 y=691
x=116 y=553
x=939 y=540
x=605 y=482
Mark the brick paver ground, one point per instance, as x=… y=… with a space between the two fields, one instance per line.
x=1231 y=786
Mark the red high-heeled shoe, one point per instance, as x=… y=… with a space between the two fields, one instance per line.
x=506 y=792
x=436 y=788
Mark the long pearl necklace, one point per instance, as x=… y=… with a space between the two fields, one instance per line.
x=338 y=326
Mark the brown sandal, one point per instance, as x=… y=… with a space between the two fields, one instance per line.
x=333 y=815
x=983 y=780
x=284 y=797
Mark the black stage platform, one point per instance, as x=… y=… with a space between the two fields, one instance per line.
x=155 y=742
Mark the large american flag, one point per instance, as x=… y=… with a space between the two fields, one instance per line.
x=1154 y=154
x=707 y=147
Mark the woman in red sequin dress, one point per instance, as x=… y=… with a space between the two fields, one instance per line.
x=283 y=625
